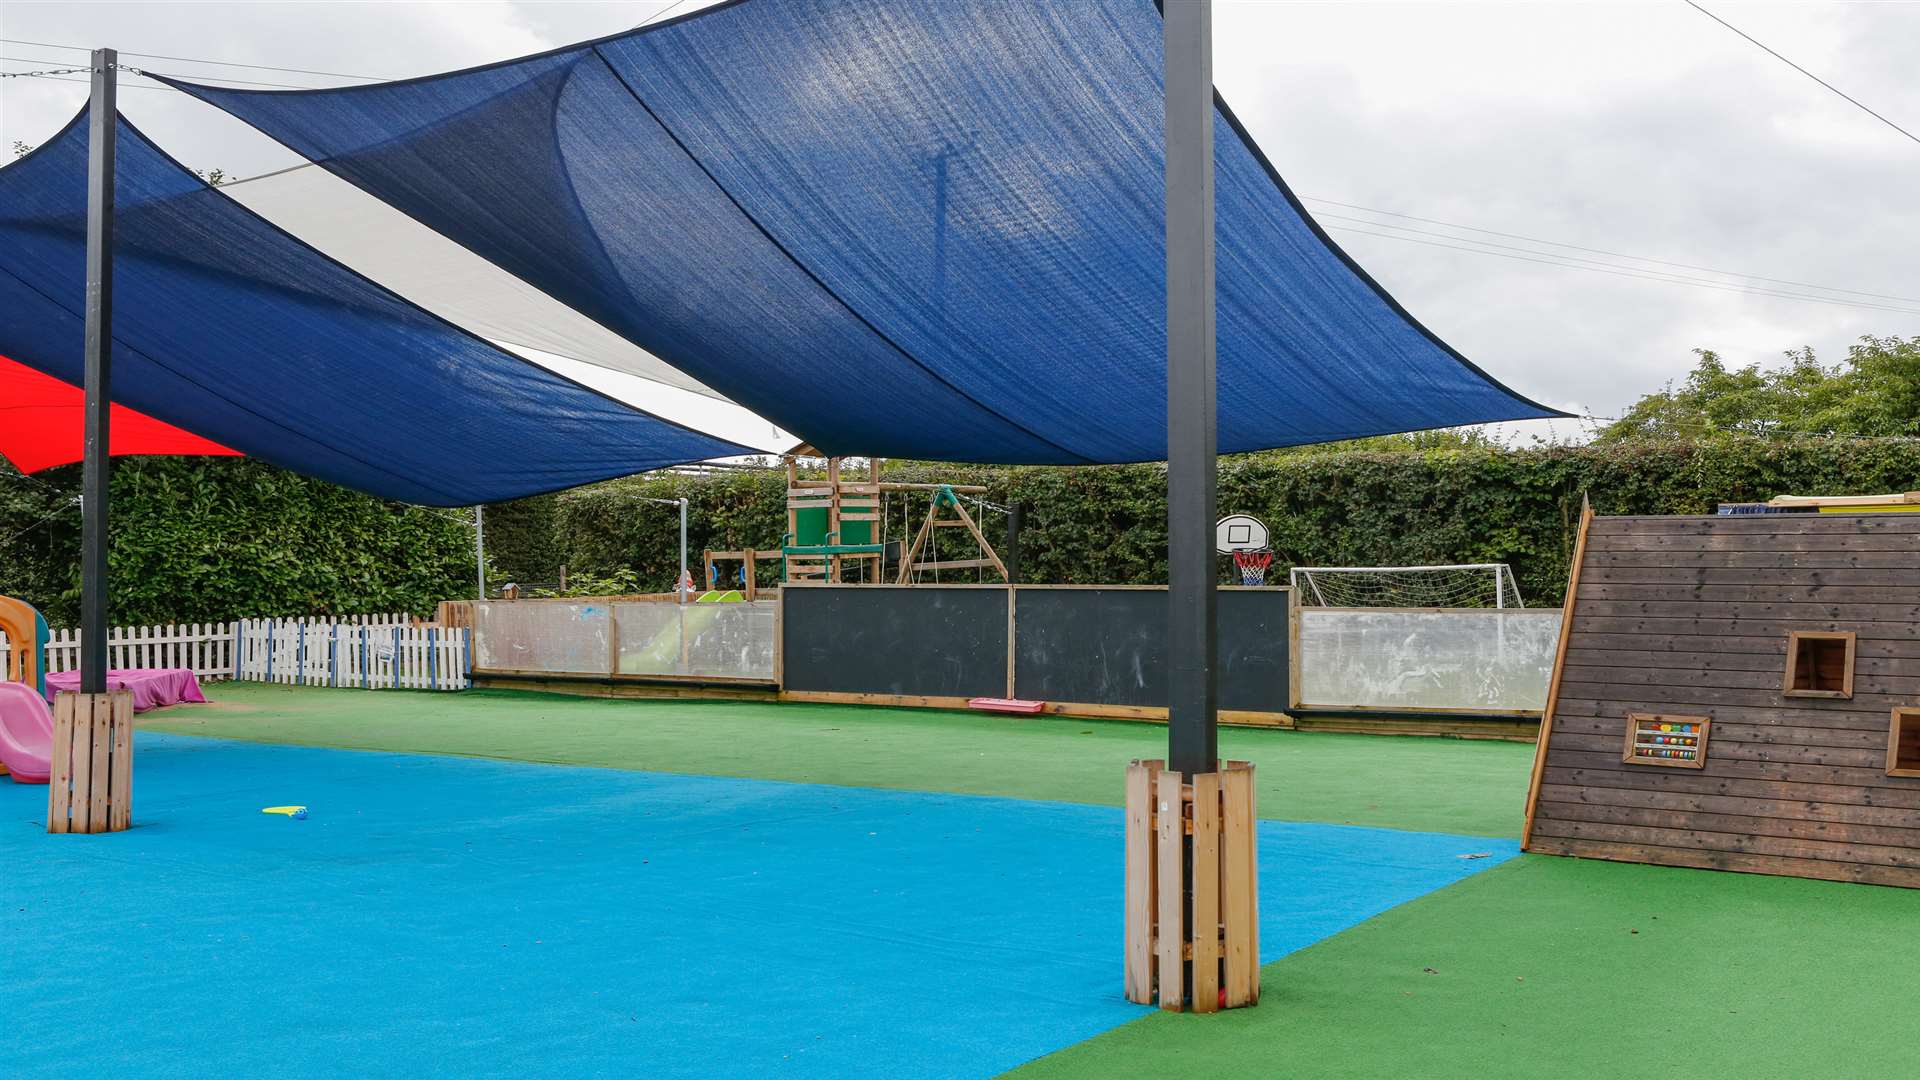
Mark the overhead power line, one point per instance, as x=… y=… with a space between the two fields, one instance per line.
x=1548 y=259
x=1855 y=102
x=1574 y=262
x=1603 y=251
x=657 y=14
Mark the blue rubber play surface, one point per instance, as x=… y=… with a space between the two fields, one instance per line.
x=452 y=917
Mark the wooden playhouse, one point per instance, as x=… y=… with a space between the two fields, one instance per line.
x=1738 y=693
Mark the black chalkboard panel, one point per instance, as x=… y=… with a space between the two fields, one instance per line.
x=1108 y=647
x=871 y=639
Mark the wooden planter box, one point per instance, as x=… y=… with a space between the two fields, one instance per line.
x=90 y=782
x=1192 y=847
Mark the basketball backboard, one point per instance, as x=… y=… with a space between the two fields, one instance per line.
x=1239 y=532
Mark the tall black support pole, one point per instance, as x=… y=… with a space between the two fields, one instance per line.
x=103 y=112
x=1016 y=517
x=1192 y=690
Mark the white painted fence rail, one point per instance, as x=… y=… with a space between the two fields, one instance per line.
x=207 y=648
x=376 y=652
x=372 y=656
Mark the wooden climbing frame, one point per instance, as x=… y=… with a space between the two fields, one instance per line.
x=945 y=498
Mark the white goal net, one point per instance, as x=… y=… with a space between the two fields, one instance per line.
x=1479 y=585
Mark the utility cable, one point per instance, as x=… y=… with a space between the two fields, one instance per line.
x=1603 y=251
x=1855 y=102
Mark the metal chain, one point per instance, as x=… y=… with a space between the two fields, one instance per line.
x=48 y=71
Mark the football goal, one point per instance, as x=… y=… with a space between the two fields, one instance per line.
x=1477 y=585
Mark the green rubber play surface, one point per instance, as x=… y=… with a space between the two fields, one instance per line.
x=1427 y=785
x=1552 y=967
x=1542 y=967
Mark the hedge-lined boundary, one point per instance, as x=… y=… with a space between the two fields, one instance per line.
x=202 y=539
x=198 y=539
x=1108 y=524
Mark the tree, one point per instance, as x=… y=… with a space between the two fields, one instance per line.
x=1874 y=391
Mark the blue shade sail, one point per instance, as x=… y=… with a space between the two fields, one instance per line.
x=912 y=229
x=228 y=327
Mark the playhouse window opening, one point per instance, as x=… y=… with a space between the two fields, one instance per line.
x=1819 y=665
x=1903 y=743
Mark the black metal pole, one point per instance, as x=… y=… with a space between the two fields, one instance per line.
x=101 y=123
x=1192 y=687
x=1016 y=517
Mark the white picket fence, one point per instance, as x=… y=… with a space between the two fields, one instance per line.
x=324 y=652
x=377 y=652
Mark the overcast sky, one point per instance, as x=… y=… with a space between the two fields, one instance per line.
x=1643 y=129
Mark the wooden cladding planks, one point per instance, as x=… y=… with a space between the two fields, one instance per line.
x=90 y=786
x=1791 y=640
x=1192 y=934
x=1738 y=862
x=1748 y=528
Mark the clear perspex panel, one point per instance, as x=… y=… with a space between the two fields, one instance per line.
x=729 y=641
x=1466 y=660
x=543 y=636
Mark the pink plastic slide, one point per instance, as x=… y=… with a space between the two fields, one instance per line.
x=26 y=733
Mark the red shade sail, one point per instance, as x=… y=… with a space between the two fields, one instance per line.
x=42 y=424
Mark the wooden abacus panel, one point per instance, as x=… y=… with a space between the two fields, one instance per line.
x=1678 y=742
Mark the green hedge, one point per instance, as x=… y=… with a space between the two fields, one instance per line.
x=1108 y=524
x=211 y=539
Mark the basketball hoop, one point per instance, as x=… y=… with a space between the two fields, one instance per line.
x=1245 y=538
x=1253 y=566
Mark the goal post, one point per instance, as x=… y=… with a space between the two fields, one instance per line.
x=1462 y=585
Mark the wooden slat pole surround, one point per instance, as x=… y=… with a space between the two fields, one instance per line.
x=1206 y=892
x=90 y=786
x=1240 y=871
x=1142 y=786
x=1170 y=922
x=1559 y=668
x=1191 y=851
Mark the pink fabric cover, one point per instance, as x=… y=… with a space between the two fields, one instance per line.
x=152 y=687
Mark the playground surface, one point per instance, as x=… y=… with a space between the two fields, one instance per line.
x=820 y=891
